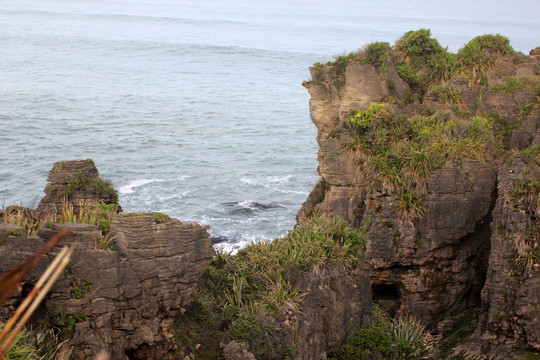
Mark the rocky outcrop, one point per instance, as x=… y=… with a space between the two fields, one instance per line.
x=510 y=315
x=336 y=303
x=121 y=292
x=434 y=264
x=74 y=182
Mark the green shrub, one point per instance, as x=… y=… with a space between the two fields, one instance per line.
x=463 y=326
x=341 y=61
x=376 y=53
x=419 y=43
x=447 y=93
x=366 y=342
x=422 y=61
x=400 y=339
x=161 y=218
x=479 y=55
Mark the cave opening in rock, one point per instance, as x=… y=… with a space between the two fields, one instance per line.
x=387 y=297
x=144 y=351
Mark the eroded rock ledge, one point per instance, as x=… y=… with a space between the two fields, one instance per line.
x=121 y=300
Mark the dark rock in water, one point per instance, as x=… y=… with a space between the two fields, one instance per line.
x=249 y=207
x=219 y=239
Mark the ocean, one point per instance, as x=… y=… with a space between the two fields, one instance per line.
x=196 y=108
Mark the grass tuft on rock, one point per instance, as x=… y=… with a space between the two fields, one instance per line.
x=403 y=152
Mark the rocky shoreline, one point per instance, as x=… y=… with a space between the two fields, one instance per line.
x=426 y=219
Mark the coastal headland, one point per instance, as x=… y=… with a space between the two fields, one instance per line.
x=420 y=241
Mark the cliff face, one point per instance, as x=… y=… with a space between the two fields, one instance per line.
x=120 y=293
x=510 y=315
x=433 y=238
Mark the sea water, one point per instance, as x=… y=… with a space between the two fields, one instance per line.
x=196 y=108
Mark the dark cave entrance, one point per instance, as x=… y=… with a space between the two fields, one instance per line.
x=387 y=297
x=144 y=351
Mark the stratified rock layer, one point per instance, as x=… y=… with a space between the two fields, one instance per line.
x=434 y=266
x=122 y=300
x=74 y=182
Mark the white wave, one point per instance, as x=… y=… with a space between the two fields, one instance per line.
x=239 y=242
x=247 y=204
x=128 y=189
x=265 y=180
x=288 y=191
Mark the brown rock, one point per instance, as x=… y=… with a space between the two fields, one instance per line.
x=122 y=302
x=74 y=182
x=434 y=266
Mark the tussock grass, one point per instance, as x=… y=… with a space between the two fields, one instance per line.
x=403 y=338
x=259 y=272
x=512 y=84
x=99 y=215
x=243 y=294
x=36 y=345
x=403 y=152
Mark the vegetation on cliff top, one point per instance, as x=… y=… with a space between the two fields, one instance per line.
x=244 y=292
x=402 y=152
x=99 y=215
x=83 y=181
x=422 y=62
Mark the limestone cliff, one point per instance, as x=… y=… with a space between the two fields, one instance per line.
x=444 y=231
x=122 y=291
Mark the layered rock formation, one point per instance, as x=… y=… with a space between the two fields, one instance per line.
x=122 y=300
x=433 y=264
x=75 y=182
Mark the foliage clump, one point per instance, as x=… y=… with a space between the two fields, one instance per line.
x=422 y=61
x=403 y=338
x=81 y=181
x=244 y=293
x=523 y=190
x=23 y=217
x=28 y=345
x=377 y=53
x=403 y=152
x=447 y=94
x=531 y=154
x=463 y=326
x=161 y=218
x=512 y=84
x=99 y=215
x=478 y=56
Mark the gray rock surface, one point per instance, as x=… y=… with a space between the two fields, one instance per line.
x=122 y=300
x=434 y=266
